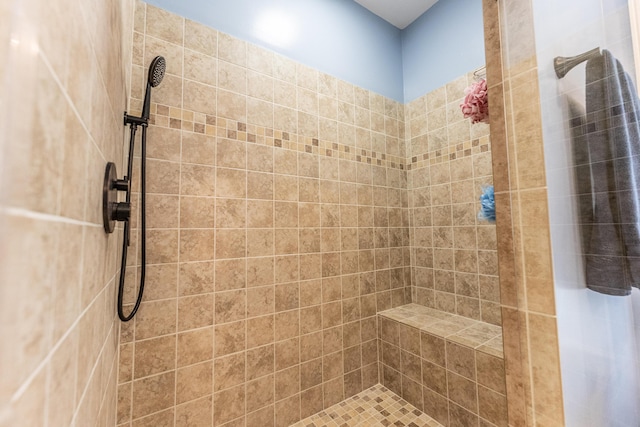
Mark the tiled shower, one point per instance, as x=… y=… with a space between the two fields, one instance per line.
x=313 y=247
x=279 y=226
x=276 y=233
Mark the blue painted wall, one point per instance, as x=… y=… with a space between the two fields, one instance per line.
x=345 y=40
x=338 y=37
x=446 y=42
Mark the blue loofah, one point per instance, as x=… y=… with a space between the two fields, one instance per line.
x=487 y=204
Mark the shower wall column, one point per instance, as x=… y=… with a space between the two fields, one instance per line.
x=529 y=324
x=64 y=84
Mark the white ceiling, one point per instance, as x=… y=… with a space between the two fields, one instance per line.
x=400 y=13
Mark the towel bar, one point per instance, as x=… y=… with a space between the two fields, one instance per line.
x=563 y=65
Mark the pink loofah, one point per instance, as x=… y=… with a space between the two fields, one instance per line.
x=475 y=103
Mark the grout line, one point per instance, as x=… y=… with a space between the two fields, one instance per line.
x=70 y=102
x=21 y=212
x=180 y=213
x=42 y=365
x=134 y=232
x=90 y=377
x=215 y=245
x=112 y=375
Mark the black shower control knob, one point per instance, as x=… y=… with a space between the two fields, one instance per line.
x=121 y=211
x=121 y=184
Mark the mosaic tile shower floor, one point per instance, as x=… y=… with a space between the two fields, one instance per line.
x=374 y=407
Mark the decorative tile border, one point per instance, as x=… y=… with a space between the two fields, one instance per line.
x=458 y=151
x=174 y=118
x=190 y=121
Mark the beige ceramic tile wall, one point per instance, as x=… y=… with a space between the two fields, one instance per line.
x=454 y=257
x=278 y=226
x=534 y=389
x=64 y=87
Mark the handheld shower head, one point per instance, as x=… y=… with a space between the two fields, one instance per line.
x=123 y=211
x=156 y=71
x=156 y=74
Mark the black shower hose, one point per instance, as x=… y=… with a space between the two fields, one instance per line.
x=127 y=226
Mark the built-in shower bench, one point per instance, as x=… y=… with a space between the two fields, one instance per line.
x=472 y=333
x=449 y=366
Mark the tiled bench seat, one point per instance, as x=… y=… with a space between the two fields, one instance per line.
x=478 y=335
x=449 y=366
